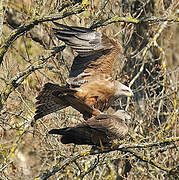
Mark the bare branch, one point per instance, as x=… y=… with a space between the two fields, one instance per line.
x=123 y=148
x=1 y=17
x=144 y=52
x=19 y=78
x=133 y=20
x=29 y=25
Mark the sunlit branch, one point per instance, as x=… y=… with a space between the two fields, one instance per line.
x=19 y=78
x=29 y=25
x=123 y=148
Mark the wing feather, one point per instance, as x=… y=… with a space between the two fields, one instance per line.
x=111 y=125
x=96 y=53
x=54 y=97
x=102 y=128
x=85 y=41
x=47 y=102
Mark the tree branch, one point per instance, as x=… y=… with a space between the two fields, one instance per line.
x=29 y=25
x=19 y=78
x=144 y=52
x=123 y=148
x=1 y=17
x=134 y=20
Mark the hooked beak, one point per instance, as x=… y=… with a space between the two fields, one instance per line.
x=123 y=90
x=128 y=92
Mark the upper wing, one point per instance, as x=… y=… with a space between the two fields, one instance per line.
x=96 y=53
x=84 y=41
x=101 y=122
x=109 y=124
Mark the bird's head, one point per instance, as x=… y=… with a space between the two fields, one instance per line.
x=122 y=90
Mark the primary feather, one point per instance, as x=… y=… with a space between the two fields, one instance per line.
x=91 y=87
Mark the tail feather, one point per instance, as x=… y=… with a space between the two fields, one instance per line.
x=58 y=131
x=80 y=106
x=77 y=135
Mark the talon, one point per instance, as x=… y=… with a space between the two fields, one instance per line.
x=101 y=147
x=113 y=144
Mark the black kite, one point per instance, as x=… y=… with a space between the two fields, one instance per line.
x=90 y=82
x=97 y=130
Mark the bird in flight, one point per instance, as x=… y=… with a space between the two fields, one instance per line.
x=91 y=87
x=98 y=130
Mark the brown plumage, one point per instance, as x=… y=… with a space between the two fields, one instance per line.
x=54 y=97
x=104 y=128
x=90 y=80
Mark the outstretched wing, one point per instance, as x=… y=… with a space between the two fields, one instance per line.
x=96 y=53
x=54 y=97
x=47 y=102
x=84 y=41
x=102 y=128
x=77 y=135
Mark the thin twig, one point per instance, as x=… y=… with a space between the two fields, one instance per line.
x=123 y=148
x=19 y=78
x=29 y=25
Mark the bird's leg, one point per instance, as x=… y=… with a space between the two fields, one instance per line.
x=101 y=147
x=113 y=144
